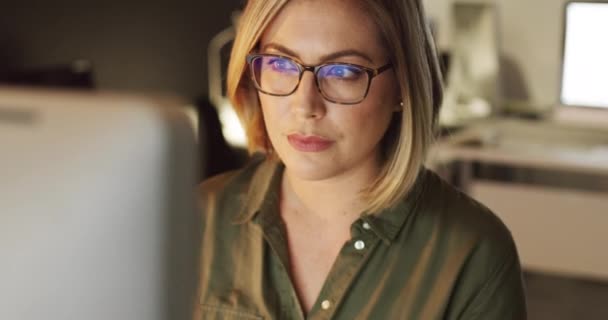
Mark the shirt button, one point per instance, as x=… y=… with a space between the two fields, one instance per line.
x=326 y=304
x=366 y=226
x=359 y=245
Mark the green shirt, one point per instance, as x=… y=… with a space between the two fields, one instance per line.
x=438 y=254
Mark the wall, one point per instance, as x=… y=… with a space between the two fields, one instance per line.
x=161 y=45
x=134 y=45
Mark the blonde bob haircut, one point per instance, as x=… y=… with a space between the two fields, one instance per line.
x=410 y=45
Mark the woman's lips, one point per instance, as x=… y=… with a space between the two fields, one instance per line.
x=308 y=143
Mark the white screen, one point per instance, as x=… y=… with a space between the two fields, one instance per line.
x=585 y=73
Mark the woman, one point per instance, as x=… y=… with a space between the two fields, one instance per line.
x=339 y=219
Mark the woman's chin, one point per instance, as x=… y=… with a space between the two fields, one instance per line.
x=312 y=171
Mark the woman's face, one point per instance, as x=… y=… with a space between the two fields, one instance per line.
x=315 y=138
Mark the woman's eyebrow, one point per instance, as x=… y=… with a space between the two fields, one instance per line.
x=327 y=57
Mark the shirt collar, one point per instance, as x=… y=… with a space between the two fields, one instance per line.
x=386 y=224
x=264 y=186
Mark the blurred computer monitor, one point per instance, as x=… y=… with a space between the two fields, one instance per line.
x=97 y=207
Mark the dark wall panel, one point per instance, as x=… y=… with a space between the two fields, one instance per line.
x=134 y=45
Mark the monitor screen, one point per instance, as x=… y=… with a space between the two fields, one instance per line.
x=98 y=214
x=585 y=61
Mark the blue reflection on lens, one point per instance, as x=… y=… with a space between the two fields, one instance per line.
x=281 y=65
x=341 y=71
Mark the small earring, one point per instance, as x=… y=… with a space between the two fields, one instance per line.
x=400 y=107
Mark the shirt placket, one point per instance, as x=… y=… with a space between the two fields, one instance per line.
x=350 y=261
x=274 y=236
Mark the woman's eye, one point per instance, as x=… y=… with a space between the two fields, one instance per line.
x=282 y=65
x=344 y=72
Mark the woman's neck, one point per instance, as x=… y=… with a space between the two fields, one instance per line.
x=328 y=200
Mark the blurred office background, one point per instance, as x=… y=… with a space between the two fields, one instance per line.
x=547 y=180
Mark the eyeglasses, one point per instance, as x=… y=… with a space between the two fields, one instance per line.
x=342 y=83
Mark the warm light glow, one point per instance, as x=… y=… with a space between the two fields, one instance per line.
x=231 y=125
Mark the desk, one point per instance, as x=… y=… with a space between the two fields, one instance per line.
x=555 y=199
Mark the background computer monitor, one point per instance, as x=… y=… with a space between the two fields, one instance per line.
x=585 y=55
x=98 y=214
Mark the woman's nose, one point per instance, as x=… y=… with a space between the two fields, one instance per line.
x=308 y=101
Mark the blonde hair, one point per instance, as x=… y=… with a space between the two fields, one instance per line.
x=411 y=49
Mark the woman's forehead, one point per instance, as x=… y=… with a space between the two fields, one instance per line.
x=313 y=29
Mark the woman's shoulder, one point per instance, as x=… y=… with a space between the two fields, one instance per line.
x=231 y=193
x=461 y=215
x=230 y=182
x=480 y=246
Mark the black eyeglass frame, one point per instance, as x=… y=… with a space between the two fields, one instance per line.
x=372 y=73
